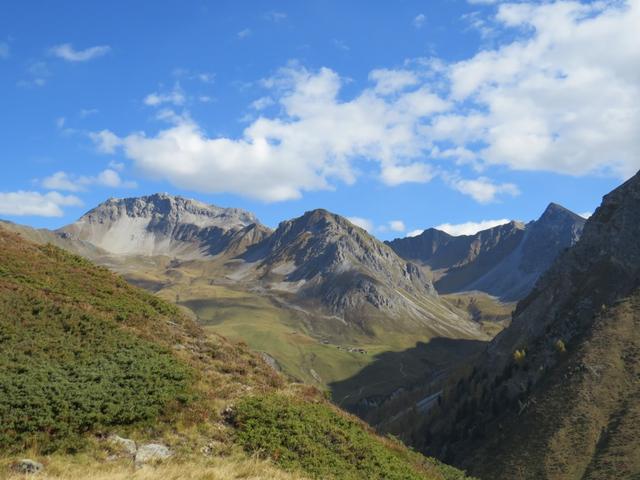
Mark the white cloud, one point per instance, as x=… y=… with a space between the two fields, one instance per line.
x=419 y=20
x=118 y=166
x=393 y=175
x=22 y=203
x=38 y=73
x=560 y=93
x=563 y=97
x=392 y=81
x=341 y=45
x=316 y=142
x=397 y=225
x=106 y=141
x=262 y=103
x=414 y=233
x=363 y=223
x=392 y=226
x=174 y=97
x=586 y=215
x=4 y=50
x=469 y=228
x=483 y=190
x=244 y=33
x=68 y=53
x=77 y=183
x=60 y=181
x=87 y=112
x=206 y=77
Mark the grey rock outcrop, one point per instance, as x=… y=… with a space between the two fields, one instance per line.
x=126 y=444
x=152 y=452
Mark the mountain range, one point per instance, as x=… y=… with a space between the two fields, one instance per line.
x=394 y=328
x=162 y=224
x=503 y=261
x=348 y=296
x=318 y=259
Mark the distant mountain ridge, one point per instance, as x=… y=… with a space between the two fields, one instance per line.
x=320 y=260
x=163 y=224
x=503 y=261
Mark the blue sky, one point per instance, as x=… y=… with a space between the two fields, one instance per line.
x=401 y=115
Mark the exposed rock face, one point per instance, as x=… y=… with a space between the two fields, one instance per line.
x=440 y=250
x=162 y=224
x=566 y=405
x=504 y=261
x=601 y=268
x=323 y=257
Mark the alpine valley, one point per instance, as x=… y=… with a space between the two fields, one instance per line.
x=323 y=300
x=414 y=335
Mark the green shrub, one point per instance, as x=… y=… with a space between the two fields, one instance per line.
x=321 y=442
x=70 y=360
x=64 y=373
x=519 y=356
x=560 y=346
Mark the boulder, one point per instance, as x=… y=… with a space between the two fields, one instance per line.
x=152 y=452
x=28 y=466
x=125 y=444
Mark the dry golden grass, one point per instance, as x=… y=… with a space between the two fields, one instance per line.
x=214 y=468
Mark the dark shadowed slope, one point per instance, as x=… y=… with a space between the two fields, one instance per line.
x=556 y=394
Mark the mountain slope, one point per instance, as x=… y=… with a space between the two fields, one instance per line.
x=84 y=354
x=324 y=259
x=503 y=261
x=555 y=394
x=162 y=224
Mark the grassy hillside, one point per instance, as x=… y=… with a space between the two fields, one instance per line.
x=488 y=311
x=84 y=354
x=310 y=346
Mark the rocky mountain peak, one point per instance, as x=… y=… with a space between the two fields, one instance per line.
x=170 y=208
x=160 y=224
x=321 y=256
x=559 y=215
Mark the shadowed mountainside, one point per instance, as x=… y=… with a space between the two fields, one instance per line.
x=554 y=396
